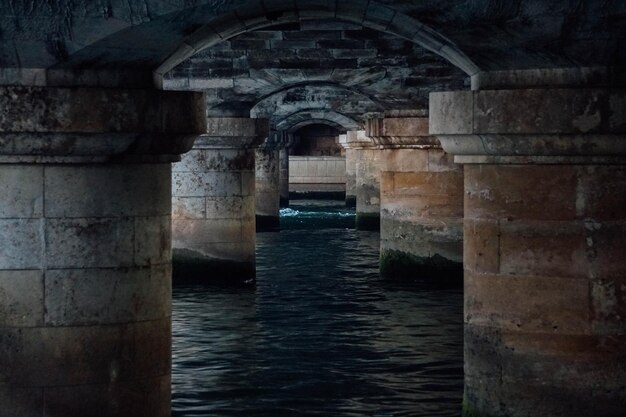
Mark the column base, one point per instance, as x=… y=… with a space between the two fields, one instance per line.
x=436 y=271
x=351 y=201
x=367 y=221
x=267 y=223
x=189 y=267
x=284 y=202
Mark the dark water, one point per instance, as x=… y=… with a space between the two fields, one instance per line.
x=321 y=335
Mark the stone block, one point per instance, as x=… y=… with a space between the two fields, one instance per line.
x=54 y=356
x=21 y=298
x=601 y=193
x=248 y=182
x=22 y=191
x=481 y=245
x=107 y=296
x=212 y=183
x=556 y=249
x=194 y=160
x=22 y=243
x=85 y=243
x=523 y=111
x=440 y=161
x=194 y=233
x=229 y=160
x=225 y=208
x=188 y=208
x=451 y=113
x=511 y=192
x=108 y=190
x=153 y=237
x=541 y=304
x=404 y=160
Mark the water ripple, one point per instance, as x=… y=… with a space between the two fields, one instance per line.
x=321 y=335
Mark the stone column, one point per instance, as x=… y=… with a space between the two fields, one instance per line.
x=85 y=263
x=545 y=246
x=421 y=230
x=268 y=184
x=350 y=171
x=367 y=161
x=284 y=170
x=213 y=204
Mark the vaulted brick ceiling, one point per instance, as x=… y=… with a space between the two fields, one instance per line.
x=317 y=65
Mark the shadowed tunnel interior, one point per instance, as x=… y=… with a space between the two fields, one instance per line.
x=478 y=144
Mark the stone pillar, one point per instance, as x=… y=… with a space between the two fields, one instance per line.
x=350 y=171
x=85 y=264
x=545 y=245
x=367 y=185
x=268 y=184
x=284 y=171
x=213 y=204
x=421 y=230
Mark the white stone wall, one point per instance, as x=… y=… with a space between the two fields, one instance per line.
x=317 y=173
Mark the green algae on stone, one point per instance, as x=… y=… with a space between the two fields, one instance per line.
x=435 y=270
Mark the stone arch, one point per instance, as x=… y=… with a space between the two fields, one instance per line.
x=343 y=104
x=303 y=118
x=259 y=14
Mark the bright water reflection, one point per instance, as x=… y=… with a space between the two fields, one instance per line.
x=321 y=335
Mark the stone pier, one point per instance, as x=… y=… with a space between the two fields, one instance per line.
x=421 y=230
x=85 y=263
x=213 y=204
x=284 y=169
x=545 y=239
x=268 y=183
x=367 y=159
x=350 y=171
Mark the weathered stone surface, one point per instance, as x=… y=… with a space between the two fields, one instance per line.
x=421 y=216
x=213 y=210
x=284 y=177
x=98 y=124
x=107 y=296
x=267 y=188
x=540 y=268
x=149 y=200
x=52 y=356
x=80 y=275
x=25 y=237
x=368 y=167
x=22 y=188
x=21 y=298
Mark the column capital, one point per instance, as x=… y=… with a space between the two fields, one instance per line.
x=357 y=139
x=233 y=132
x=541 y=126
x=401 y=132
x=90 y=125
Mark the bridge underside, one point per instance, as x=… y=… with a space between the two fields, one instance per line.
x=485 y=140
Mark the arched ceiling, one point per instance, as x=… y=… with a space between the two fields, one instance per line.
x=143 y=35
x=318 y=65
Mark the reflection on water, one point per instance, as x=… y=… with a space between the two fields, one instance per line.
x=320 y=335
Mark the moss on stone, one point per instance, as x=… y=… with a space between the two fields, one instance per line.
x=468 y=410
x=367 y=221
x=435 y=270
x=267 y=223
x=189 y=267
